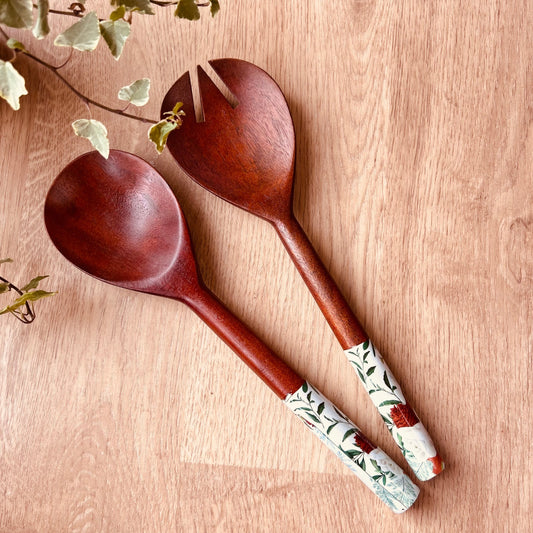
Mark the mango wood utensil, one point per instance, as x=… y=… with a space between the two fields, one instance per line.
x=118 y=221
x=245 y=155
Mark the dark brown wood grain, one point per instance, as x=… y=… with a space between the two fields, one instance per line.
x=245 y=155
x=118 y=220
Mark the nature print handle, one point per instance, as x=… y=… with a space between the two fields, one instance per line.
x=369 y=463
x=402 y=422
x=383 y=389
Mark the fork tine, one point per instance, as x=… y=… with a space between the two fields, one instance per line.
x=211 y=97
x=181 y=91
x=238 y=75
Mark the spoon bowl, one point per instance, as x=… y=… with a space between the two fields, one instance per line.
x=118 y=220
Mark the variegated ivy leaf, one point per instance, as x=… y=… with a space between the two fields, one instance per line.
x=115 y=33
x=83 y=35
x=136 y=93
x=141 y=6
x=16 y=45
x=16 y=13
x=187 y=9
x=41 y=28
x=95 y=132
x=12 y=85
x=26 y=297
x=159 y=133
x=215 y=7
x=33 y=284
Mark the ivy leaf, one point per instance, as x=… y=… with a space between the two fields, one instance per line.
x=115 y=33
x=12 y=84
x=119 y=13
x=320 y=408
x=41 y=28
x=141 y=6
x=16 y=45
x=159 y=133
x=33 y=283
x=136 y=93
x=95 y=131
x=83 y=35
x=187 y=9
x=16 y=13
x=27 y=297
x=215 y=7
x=370 y=371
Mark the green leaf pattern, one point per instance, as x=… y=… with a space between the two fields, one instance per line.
x=375 y=469
x=385 y=392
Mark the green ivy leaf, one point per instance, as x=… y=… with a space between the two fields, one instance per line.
x=118 y=13
x=16 y=13
x=115 y=33
x=95 y=132
x=136 y=93
x=320 y=408
x=27 y=297
x=83 y=35
x=304 y=386
x=215 y=7
x=41 y=28
x=159 y=133
x=15 y=45
x=370 y=371
x=12 y=84
x=365 y=344
x=141 y=6
x=187 y=9
x=33 y=283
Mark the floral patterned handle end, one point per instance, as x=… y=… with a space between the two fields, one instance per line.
x=377 y=471
x=405 y=427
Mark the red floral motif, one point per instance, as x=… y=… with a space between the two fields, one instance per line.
x=438 y=464
x=363 y=443
x=403 y=416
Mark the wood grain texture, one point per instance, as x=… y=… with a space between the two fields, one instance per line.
x=413 y=180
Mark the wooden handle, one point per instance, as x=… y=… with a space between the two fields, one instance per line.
x=261 y=359
x=322 y=286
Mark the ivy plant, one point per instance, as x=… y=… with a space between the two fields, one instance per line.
x=85 y=35
x=22 y=306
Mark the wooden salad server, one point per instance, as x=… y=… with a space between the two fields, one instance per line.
x=118 y=220
x=245 y=155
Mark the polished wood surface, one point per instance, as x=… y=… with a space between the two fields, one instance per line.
x=120 y=411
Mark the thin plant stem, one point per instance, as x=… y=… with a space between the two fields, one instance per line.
x=26 y=316
x=80 y=95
